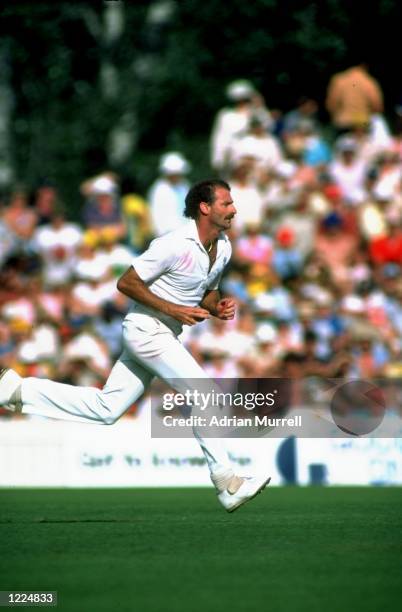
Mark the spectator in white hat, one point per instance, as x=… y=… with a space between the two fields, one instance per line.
x=262 y=359
x=233 y=120
x=102 y=207
x=349 y=170
x=57 y=242
x=166 y=195
x=256 y=142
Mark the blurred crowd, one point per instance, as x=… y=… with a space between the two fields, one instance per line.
x=317 y=247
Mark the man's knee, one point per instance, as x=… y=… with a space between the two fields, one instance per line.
x=109 y=419
x=108 y=411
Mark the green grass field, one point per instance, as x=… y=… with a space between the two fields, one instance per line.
x=176 y=550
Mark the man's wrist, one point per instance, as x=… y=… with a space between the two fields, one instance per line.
x=168 y=308
x=213 y=309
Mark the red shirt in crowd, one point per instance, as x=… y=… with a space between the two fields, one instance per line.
x=387 y=249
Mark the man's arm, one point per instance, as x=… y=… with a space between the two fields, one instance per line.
x=134 y=287
x=221 y=308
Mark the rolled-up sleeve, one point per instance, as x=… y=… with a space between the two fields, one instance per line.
x=156 y=260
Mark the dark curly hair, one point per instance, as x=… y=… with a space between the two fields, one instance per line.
x=204 y=191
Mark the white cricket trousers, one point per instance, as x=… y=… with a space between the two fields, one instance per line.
x=150 y=349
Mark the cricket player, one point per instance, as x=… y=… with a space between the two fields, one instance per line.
x=174 y=283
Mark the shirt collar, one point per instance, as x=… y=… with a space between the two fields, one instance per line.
x=191 y=232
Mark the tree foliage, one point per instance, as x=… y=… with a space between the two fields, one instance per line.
x=87 y=96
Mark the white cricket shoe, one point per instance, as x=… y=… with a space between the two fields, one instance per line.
x=247 y=491
x=9 y=382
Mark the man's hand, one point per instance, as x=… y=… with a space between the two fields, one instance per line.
x=225 y=309
x=187 y=315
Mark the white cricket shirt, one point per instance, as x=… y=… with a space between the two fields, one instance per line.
x=175 y=267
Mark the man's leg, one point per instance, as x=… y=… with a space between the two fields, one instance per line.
x=126 y=383
x=169 y=360
x=164 y=354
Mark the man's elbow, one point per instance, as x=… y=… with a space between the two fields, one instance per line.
x=122 y=285
x=119 y=285
x=129 y=285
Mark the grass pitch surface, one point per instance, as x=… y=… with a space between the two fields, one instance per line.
x=176 y=550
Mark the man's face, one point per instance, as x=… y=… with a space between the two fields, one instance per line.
x=222 y=210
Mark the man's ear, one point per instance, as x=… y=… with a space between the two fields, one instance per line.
x=204 y=208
